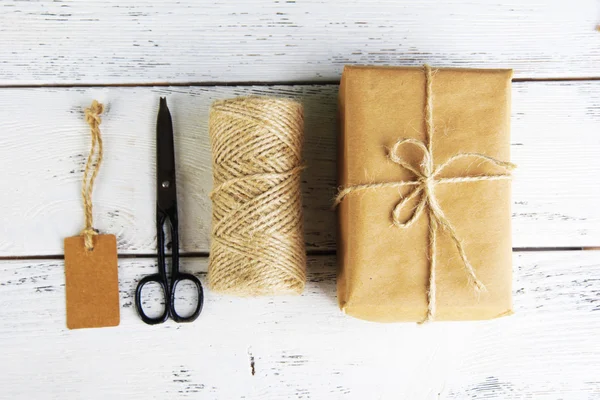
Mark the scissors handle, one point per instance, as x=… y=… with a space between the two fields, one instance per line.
x=175 y=281
x=155 y=278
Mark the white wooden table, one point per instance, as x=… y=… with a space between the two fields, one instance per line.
x=56 y=56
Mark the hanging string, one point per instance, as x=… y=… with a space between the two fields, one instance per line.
x=92 y=117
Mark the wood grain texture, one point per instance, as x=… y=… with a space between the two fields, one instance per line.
x=114 y=41
x=45 y=140
x=288 y=347
x=304 y=347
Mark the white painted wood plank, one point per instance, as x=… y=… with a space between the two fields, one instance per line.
x=45 y=140
x=304 y=347
x=117 y=41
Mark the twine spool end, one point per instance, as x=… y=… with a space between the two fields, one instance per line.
x=479 y=287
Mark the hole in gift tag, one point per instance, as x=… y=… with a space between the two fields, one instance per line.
x=153 y=299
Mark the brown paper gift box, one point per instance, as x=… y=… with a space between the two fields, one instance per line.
x=384 y=270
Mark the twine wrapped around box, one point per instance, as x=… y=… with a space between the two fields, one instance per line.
x=257 y=243
x=427 y=177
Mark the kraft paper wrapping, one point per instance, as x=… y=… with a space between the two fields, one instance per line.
x=384 y=270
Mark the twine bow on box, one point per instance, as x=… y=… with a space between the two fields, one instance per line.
x=427 y=176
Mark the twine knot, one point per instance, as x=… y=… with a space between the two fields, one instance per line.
x=92 y=114
x=427 y=178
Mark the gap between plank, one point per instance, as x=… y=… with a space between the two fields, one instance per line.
x=242 y=83
x=203 y=254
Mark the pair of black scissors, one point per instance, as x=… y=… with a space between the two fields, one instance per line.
x=166 y=210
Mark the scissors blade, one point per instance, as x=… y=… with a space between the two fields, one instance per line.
x=166 y=190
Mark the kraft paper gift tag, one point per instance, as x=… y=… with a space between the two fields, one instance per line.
x=92 y=282
x=91 y=267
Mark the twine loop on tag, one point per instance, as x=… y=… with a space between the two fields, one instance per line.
x=92 y=117
x=427 y=178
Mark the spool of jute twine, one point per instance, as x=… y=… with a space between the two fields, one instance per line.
x=257 y=244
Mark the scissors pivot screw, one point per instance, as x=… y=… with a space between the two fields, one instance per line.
x=166 y=184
